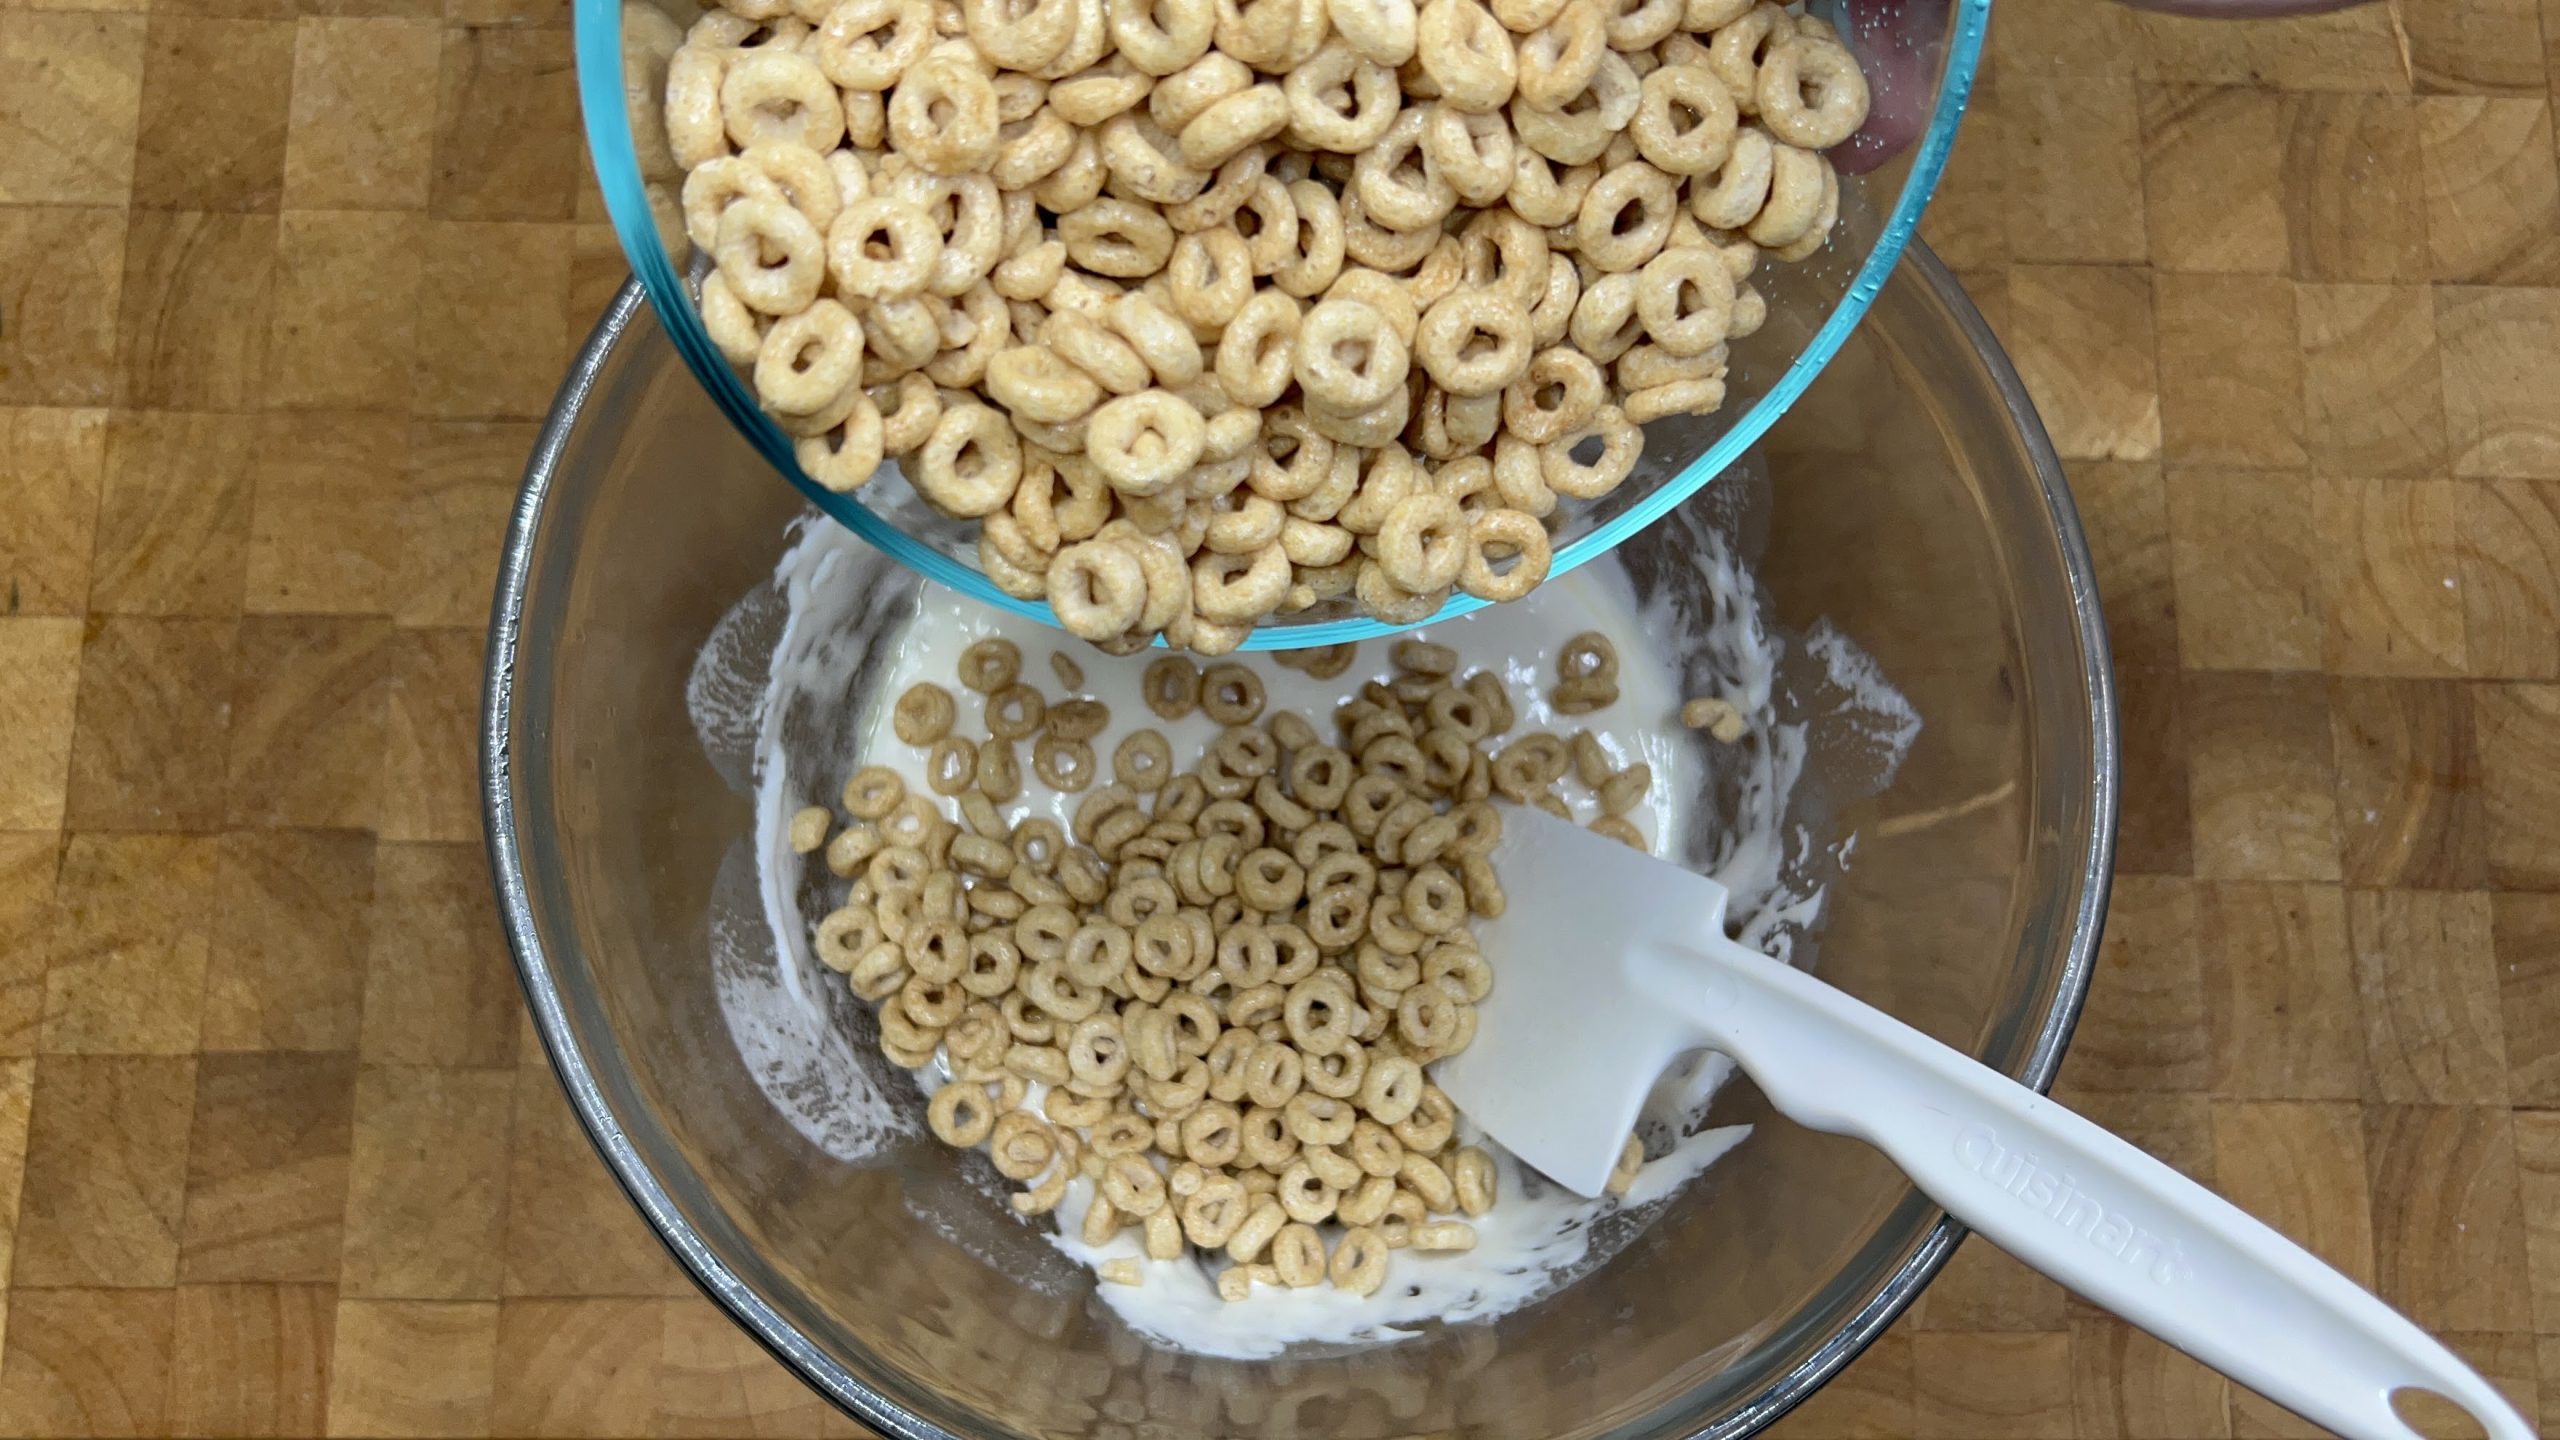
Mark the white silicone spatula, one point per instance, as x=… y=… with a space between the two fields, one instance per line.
x=1608 y=964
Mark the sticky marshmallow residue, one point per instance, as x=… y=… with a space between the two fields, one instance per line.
x=842 y=631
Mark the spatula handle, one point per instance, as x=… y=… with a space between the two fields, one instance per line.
x=2073 y=1201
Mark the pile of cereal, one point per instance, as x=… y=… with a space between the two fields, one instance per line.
x=1213 y=996
x=1211 y=310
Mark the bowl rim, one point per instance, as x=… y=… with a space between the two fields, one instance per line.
x=599 y=58
x=570 y=1063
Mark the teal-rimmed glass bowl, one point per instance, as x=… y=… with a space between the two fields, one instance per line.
x=1928 y=46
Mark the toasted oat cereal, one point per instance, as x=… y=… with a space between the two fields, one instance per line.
x=1212 y=997
x=1202 y=321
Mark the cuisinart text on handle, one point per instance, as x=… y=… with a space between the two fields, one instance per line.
x=2057 y=1196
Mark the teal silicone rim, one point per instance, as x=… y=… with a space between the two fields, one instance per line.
x=608 y=124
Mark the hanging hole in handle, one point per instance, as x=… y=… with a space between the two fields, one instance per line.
x=2435 y=1415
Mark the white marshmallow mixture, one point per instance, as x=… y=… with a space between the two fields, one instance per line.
x=857 y=632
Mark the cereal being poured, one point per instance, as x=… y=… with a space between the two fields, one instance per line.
x=1210 y=311
x=1213 y=994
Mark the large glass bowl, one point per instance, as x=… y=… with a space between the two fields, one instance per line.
x=1813 y=305
x=1911 y=501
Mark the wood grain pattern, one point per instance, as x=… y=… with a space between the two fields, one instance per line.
x=427 y=1192
x=192 y=323
x=406 y=1368
x=2408 y=784
x=61 y=271
x=2353 y=187
x=2372 y=393
x=345 y=311
x=39 y=675
x=285 y=288
x=105 y=1186
x=194 y=68
x=250 y=1360
x=2247 y=566
x=267 y=1167
x=360 y=134
x=131 y=935
x=73 y=111
x=2128 y=1386
x=2213 y=178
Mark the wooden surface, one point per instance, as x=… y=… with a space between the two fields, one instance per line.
x=284 y=285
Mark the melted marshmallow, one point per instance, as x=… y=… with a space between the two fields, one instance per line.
x=844 y=632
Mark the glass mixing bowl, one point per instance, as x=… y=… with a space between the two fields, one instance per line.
x=1922 y=59
x=1910 y=500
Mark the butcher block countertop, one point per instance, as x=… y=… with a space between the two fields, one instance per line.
x=285 y=286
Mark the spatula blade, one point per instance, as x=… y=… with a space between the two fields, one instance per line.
x=1567 y=1044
